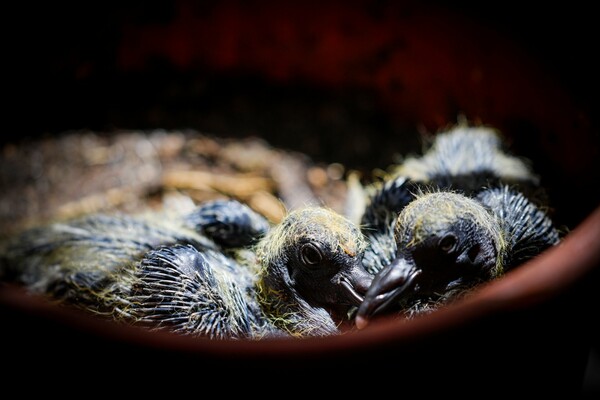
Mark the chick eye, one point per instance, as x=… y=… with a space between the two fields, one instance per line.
x=447 y=243
x=311 y=254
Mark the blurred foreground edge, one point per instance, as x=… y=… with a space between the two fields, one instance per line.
x=530 y=332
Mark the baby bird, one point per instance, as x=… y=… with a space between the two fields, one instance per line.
x=467 y=159
x=447 y=243
x=308 y=275
x=92 y=262
x=211 y=273
x=90 y=248
x=463 y=159
x=311 y=273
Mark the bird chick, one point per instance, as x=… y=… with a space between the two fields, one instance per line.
x=93 y=262
x=312 y=273
x=467 y=159
x=308 y=275
x=447 y=243
x=463 y=159
x=164 y=274
x=67 y=256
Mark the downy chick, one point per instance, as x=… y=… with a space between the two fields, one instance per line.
x=447 y=243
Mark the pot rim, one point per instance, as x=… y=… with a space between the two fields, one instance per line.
x=536 y=281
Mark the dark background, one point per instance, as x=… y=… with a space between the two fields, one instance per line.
x=69 y=51
x=353 y=82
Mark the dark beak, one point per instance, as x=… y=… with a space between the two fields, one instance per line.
x=386 y=288
x=356 y=283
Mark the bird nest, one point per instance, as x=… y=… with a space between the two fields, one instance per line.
x=83 y=172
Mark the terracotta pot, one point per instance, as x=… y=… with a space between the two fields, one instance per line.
x=530 y=332
x=527 y=333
